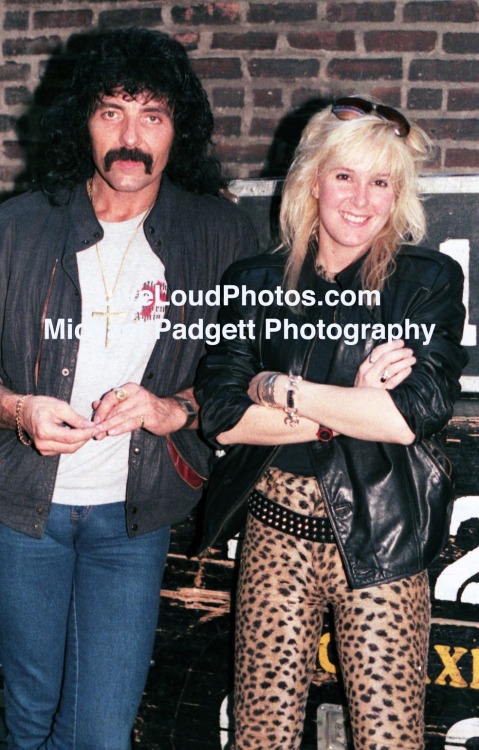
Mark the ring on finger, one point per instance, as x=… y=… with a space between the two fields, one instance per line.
x=120 y=393
x=385 y=376
x=142 y=420
x=371 y=359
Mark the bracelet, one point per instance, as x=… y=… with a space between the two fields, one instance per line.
x=265 y=390
x=290 y=409
x=324 y=434
x=18 y=420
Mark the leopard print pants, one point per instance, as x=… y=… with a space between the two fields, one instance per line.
x=381 y=635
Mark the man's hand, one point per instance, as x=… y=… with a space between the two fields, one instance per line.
x=54 y=426
x=132 y=407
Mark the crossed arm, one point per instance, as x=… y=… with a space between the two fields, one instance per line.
x=365 y=411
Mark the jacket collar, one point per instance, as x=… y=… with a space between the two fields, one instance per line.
x=85 y=229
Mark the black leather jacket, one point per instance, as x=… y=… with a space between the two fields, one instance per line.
x=389 y=504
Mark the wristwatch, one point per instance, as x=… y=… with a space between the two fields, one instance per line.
x=188 y=408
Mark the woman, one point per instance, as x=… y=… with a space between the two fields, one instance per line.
x=337 y=452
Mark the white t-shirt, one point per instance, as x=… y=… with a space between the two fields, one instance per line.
x=97 y=472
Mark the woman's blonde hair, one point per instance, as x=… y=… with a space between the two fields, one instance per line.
x=328 y=142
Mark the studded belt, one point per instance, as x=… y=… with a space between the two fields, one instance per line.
x=271 y=513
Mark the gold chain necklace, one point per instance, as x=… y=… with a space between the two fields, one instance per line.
x=108 y=313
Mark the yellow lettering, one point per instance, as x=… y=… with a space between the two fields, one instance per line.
x=450 y=666
x=324 y=659
x=450 y=656
x=475 y=669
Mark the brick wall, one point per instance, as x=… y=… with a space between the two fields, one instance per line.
x=266 y=65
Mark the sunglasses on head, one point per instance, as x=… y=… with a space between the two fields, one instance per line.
x=350 y=107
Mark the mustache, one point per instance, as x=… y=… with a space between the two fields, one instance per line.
x=128 y=154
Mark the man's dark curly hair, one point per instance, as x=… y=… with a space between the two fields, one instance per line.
x=136 y=61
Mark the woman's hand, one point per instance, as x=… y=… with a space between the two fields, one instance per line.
x=387 y=366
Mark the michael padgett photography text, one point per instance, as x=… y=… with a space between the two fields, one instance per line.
x=241 y=297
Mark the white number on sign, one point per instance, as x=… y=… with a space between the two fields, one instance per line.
x=460 y=250
x=455 y=583
x=459 y=733
x=226 y=722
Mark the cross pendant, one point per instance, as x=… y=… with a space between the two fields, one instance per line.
x=108 y=314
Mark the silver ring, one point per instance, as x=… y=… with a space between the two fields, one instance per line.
x=142 y=421
x=120 y=393
x=384 y=376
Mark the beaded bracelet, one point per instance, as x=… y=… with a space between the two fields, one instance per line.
x=18 y=420
x=291 y=409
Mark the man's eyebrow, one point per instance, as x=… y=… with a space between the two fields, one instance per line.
x=101 y=104
x=157 y=108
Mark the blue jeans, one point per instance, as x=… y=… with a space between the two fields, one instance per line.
x=78 y=615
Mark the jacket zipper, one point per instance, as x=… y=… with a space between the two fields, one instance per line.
x=430 y=452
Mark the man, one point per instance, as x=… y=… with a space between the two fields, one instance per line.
x=98 y=451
